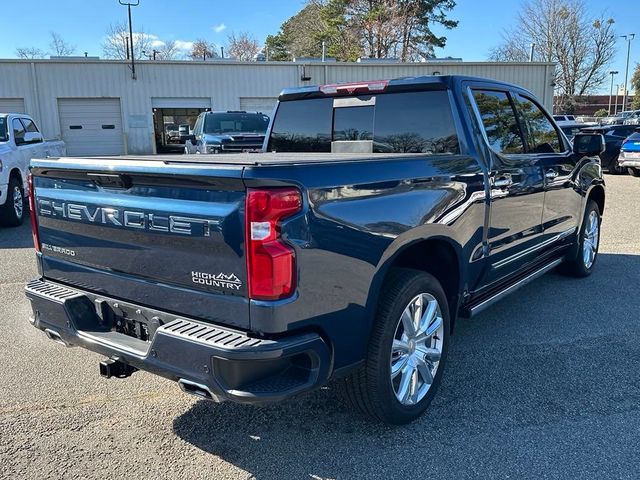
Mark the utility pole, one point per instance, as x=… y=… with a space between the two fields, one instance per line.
x=612 y=73
x=133 y=61
x=628 y=38
x=222 y=52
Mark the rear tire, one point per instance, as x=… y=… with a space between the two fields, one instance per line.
x=407 y=350
x=588 y=244
x=12 y=212
x=634 y=171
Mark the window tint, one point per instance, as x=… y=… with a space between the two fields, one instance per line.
x=353 y=123
x=302 y=126
x=540 y=133
x=414 y=122
x=18 y=131
x=499 y=120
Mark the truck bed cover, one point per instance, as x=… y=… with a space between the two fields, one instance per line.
x=241 y=159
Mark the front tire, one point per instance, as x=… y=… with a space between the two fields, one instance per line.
x=616 y=169
x=407 y=350
x=634 y=171
x=588 y=244
x=12 y=212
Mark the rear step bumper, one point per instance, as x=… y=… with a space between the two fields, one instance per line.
x=208 y=361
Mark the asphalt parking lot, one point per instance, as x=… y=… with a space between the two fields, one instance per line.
x=543 y=385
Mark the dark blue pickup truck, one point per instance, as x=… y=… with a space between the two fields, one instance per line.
x=377 y=215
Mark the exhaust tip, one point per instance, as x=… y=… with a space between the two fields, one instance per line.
x=196 y=389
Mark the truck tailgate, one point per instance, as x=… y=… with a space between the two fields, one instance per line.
x=171 y=236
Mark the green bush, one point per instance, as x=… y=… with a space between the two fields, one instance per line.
x=603 y=112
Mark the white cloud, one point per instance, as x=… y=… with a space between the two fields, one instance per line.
x=219 y=28
x=184 y=45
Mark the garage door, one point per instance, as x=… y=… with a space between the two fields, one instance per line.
x=12 y=105
x=258 y=104
x=91 y=126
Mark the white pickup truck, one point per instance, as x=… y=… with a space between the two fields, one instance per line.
x=20 y=141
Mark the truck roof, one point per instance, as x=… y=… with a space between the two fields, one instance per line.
x=403 y=83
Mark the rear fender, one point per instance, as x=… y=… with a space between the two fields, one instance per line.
x=397 y=248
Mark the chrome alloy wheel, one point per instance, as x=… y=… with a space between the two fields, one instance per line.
x=18 y=202
x=591 y=239
x=417 y=348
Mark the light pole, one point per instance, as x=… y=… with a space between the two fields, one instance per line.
x=628 y=38
x=134 y=3
x=612 y=73
x=615 y=110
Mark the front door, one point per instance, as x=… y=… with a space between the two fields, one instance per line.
x=562 y=201
x=517 y=186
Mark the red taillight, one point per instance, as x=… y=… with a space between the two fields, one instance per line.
x=32 y=214
x=271 y=263
x=351 y=88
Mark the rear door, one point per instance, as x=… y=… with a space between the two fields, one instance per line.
x=165 y=236
x=562 y=200
x=517 y=186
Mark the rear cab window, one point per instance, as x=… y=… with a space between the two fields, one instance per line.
x=402 y=122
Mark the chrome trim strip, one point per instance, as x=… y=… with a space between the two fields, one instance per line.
x=532 y=249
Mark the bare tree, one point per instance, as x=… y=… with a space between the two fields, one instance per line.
x=564 y=32
x=242 y=46
x=29 y=52
x=202 y=50
x=115 y=44
x=59 y=46
x=169 y=51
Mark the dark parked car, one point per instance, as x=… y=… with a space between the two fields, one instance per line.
x=379 y=214
x=614 y=135
x=630 y=154
x=228 y=132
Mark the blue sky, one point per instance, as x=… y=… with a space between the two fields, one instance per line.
x=83 y=23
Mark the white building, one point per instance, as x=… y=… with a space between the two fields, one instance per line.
x=98 y=108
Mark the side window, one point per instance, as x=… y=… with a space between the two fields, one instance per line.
x=499 y=121
x=196 y=127
x=541 y=135
x=29 y=125
x=18 y=131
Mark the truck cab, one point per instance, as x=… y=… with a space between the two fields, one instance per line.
x=20 y=141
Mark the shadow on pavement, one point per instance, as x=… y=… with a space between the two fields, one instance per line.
x=16 y=237
x=543 y=374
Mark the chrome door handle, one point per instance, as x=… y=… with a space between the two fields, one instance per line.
x=551 y=174
x=503 y=181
